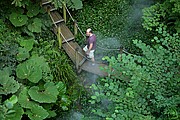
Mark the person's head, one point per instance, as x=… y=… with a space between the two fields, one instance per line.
x=89 y=32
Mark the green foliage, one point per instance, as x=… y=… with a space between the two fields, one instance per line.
x=33 y=70
x=72 y=4
x=20 y=3
x=29 y=70
x=152 y=16
x=58 y=61
x=142 y=87
x=8 y=84
x=11 y=110
x=37 y=113
x=167 y=13
x=26 y=47
x=33 y=10
x=27 y=16
x=35 y=26
x=42 y=81
x=8 y=47
x=27 y=44
x=46 y=95
x=18 y=19
x=112 y=19
x=11 y=101
x=23 y=53
x=24 y=99
x=34 y=111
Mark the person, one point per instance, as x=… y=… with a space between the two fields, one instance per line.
x=91 y=45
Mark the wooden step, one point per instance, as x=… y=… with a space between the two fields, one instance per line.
x=56 y=17
x=45 y=2
x=53 y=8
x=49 y=7
x=65 y=32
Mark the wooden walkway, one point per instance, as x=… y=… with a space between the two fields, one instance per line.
x=73 y=50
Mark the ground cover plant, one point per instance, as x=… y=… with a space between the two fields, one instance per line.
x=37 y=80
x=144 y=85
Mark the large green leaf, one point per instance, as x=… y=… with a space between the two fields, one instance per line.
x=23 y=53
x=33 y=70
x=41 y=62
x=35 y=26
x=37 y=113
x=8 y=84
x=15 y=114
x=77 y=4
x=33 y=10
x=11 y=101
x=24 y=99
x=18 y=19
x=47 y=95
x=29 y=70
x=28 y=44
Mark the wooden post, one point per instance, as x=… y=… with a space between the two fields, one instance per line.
x=77 y=58
x=59 y=36
x=75 y=27
x=48 y=9
x=64 y=11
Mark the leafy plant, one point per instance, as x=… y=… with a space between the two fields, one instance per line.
x=8 y=83
x=35 y=26
x=33 y=10
x=141 y=87
x=10 y=109
x=33 y=110
x=73 y=4
x=46 y=95
x=26 y=47
x=167 y=13
x=18 y=19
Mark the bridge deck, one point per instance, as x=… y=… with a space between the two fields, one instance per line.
x=87 y=64
x=73 y=50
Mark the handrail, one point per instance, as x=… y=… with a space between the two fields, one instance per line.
x=75 y=22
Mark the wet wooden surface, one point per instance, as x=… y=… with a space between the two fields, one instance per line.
x=96 y=69
x=70 y=49
x=56 y=17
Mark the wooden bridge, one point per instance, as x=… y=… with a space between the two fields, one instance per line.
x=66 y=40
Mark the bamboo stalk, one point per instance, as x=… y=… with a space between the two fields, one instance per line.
x=75 y=27
x=64 y=11
x=59 y=37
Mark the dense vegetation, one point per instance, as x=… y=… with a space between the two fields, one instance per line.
x=38 y=81
x=145 y=84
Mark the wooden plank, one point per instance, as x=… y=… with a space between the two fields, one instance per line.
x=87 y=66
x=70 y=48
x=53 y=8
x=65 y=32
x=56 y=17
